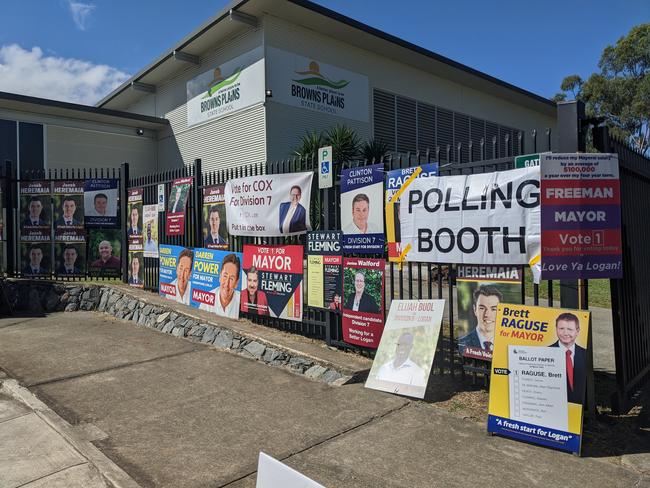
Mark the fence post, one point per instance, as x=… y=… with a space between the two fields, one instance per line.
x=198 y=203
x=124 y=186
x=10 y=204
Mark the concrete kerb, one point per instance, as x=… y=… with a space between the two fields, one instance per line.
x=77 y=438
x=165 y=316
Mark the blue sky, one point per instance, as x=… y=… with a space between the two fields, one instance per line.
x=77 y=50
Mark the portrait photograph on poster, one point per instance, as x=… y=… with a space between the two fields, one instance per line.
x=175 y=272
x=405 y=354
x=539 y=375
x=215 y=228
x=35 y=211
x=178 y=195
x=216 y=281
x=479 y=290
x=104 y=253
x=136 y=269
x=36 y=258
x=70 y=259
x=134 y=218
x=68 y=204
x=150 y=230
x=100 y=202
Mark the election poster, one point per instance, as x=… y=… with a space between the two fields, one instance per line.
x=150 y=222
x=36 y=258
x=216 y=282
x=539 y=375
x=175 y=272
x=68 y=203
x=35 y=211
x=69 y=259
x=363 y=301
x=105 y=253
x=581 y=216
x=135 y=218
x=324 y=261
x=479 y=291
x=488 y=218
x=269 y=205
x=362 y=216
x=136 y=269
x=397 y=181
x=178 y=195
x=100 y=202
x=215 y=233
x=279 y=271
x=405 y=354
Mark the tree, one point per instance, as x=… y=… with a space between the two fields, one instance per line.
x=620 y=92
x=374 y=150
x=309 y=145
x=344 y=141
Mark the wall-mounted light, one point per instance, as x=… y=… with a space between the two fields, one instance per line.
x=269 y=93
x=139 y=131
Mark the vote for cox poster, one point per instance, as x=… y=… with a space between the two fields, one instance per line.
x=274 y=281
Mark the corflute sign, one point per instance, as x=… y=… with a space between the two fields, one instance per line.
x=490 y=218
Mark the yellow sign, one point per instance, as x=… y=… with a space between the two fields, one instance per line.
x=315 y=281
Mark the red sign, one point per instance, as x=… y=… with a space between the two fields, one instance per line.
x=175 y=223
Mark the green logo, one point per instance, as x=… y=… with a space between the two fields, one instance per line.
x=219 y=81
x=316 y=78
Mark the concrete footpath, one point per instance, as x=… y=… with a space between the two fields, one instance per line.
x=167 y=412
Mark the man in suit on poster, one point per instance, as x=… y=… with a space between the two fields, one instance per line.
x=68 y=209
x=486 y=300
x=69 y=264
x=567 y=328
x=293 y=216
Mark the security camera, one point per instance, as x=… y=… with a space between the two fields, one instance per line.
x=139 y=131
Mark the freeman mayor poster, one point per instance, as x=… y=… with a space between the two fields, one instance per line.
x=175 y=272
x=216 y=282
x=362 y=216
x=363 y=301
x=396 y=183
x=180 y=191
x=324 y=260
x=581 y=216
x=539 y=374
x=215 y=233
x=269 y=205
x=489 y=218
x=479 y=290
x=280 y=273
x=68 y=202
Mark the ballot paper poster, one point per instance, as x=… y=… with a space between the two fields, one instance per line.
x=405 y=354
x=269 y=205
x=581 y=216
x=539 y=375
x=488 y=218
x=397 y=181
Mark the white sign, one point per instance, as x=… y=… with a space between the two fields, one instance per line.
x=325 y=167
x=150 y=230
x=271 y=473
x=489 y=218
x=310 y=84
x=538 y=386
x=231 y=86
x=161 y=197
x=405 y=354
x=269 y=205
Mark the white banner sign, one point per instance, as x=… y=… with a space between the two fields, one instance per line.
x=489 y=218
x=308 y=83
x=231 y=86
x=269 y=205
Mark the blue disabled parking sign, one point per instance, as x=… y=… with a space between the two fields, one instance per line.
x=325 y=167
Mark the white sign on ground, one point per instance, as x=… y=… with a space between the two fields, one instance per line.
x=271 y=473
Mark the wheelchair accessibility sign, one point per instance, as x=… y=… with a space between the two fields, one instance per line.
x=325 y=167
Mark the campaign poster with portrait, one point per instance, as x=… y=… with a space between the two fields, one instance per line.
x=175 y=272
x=104 y=253
x=136 y=269
x=69 y=259
x=35 y=211
x=324 y=268
x=216 y=282
x=100 y=202
x=539 y=375
x=362 y=209
x=279 y=270
x=134 y=219
x=405 y=354
x=68 y=202
x=178 y=195
x=269 y=205
x=479 y=290
x=363 y=301
x=215 y=229
x=36 y=258
x=397 y=181
x=150 y=230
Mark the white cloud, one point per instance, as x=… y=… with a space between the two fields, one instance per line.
x=80 y=13
x=70 y=80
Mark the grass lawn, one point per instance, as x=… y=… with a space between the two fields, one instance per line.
x=598 y=291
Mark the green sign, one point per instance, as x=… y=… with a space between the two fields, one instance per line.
x=526 y=160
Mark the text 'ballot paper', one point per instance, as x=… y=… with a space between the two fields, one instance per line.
x=538 y=386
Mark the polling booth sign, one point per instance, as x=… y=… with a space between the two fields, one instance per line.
x=269 y=205
x=324 y=260
x=216 y=282
x=539 y=374
x=488 y=218
x=581 y=216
